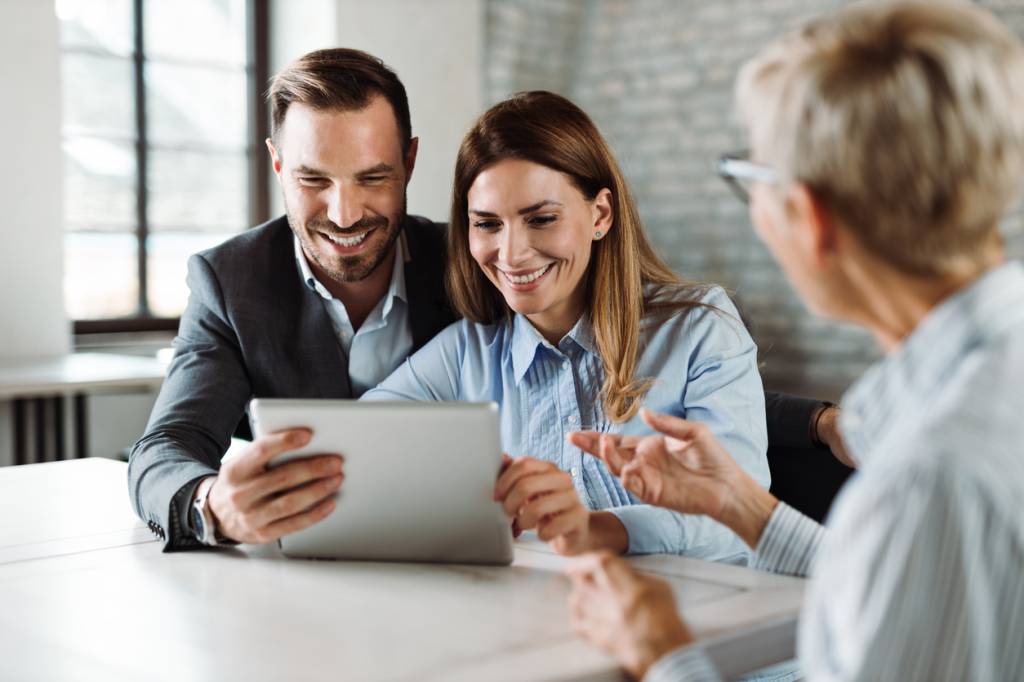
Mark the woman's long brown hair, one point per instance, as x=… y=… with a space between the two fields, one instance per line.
x=547 y=129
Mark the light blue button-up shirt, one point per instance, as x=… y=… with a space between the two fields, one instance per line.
x=920 y=575
x=704 y=367
x=384 y=339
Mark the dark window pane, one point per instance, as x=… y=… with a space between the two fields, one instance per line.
x=196 y=106
x=196 y=191
x=97 y=96
x=103 y=25
x=167 y=262
x=198 y=165
x=99 y=185
x=196 y=30
x=100 y=278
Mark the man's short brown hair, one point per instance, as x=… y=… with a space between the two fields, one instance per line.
x=338 y=78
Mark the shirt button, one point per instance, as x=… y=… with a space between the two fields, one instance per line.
x=565 y=364
x=575 y=472
x=572 y=419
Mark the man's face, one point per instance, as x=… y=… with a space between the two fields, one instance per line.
x=343 y=176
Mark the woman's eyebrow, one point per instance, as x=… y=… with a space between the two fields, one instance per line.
x=523 y=211
x=539 y=205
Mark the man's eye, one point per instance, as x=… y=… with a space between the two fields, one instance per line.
x=374 y=178
x=311 y=182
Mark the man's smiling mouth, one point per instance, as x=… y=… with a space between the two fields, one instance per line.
x=347 y=242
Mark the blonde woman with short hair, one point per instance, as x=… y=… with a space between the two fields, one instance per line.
x=887 y=143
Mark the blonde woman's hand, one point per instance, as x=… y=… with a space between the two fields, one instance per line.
x=686 y=469
x=631 y=616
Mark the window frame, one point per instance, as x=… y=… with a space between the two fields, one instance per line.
x=258 y=181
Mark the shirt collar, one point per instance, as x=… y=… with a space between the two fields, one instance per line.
x=526 y=341
x=901 y=384
x=396 y=289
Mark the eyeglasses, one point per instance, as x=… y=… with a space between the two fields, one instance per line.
x=739 y=172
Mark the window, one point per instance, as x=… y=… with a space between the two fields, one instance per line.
x=162 y=147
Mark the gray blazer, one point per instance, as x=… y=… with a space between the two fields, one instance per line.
x=253 y=329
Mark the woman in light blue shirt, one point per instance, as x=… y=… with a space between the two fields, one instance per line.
x=571 y=321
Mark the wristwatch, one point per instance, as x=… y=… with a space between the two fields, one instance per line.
x=203 y=524
x=815 y=438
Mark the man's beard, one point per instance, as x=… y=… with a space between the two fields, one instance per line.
x=345 y=269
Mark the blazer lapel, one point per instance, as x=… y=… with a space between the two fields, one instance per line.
x=321 y=366
x=326 y=365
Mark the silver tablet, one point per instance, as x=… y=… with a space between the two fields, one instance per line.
x=418 y=479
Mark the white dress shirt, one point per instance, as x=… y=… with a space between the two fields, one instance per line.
x=920 y=575
x=384 y=340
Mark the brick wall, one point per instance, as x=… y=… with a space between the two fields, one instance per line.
x=657 y=77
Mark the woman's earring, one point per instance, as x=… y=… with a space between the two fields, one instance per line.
x=597 y=235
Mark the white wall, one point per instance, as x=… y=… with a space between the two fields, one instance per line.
x=435 y=47
x=31 y=234
x=300 y=27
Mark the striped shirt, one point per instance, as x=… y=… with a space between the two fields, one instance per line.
x=703 y=364
x=921 y=573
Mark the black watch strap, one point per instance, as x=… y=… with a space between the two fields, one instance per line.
x=825 y=405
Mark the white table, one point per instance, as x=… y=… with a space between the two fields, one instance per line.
x=47 y=382
x=86 y=594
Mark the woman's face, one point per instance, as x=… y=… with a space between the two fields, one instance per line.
x=531 y=232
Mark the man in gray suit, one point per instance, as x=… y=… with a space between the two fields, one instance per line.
x=322 y=303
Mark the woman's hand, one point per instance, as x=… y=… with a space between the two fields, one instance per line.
x=685 y=469
x=631 y=616
x=538 y=495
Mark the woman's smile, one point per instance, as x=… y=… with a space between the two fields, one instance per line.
x=525 y=280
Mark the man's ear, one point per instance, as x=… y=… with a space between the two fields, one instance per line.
x=815 y=228
x=410 y=158
x=275 y=159
x=604 y=219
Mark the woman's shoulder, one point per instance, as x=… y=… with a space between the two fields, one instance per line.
x=465 y=336
x=692 y=312
x=687 y=303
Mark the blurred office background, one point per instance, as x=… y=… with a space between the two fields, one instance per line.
x=134 y=137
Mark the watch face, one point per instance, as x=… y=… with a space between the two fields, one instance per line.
x=198 y=527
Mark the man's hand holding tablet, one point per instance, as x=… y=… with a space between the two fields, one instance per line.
x=419 y=478
x=254 y=504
